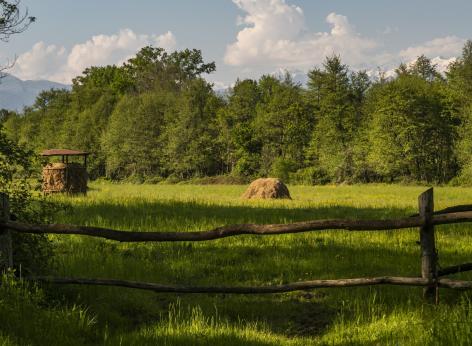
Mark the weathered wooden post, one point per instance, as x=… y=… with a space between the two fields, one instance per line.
x=428 y=247
x=6 y=250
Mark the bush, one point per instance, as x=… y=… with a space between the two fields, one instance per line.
x=309 y=176
x=153 y=180
x=30 y=252
x=247 y=166
x=172 y=179
x=281 y=168
x=219 y=180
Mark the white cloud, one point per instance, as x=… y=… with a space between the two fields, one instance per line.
x=448 y=46
x=275 y=34
x=40 y=61
x=57 y=64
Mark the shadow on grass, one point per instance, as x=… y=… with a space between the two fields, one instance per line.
x=151 y=214
x=229 y=262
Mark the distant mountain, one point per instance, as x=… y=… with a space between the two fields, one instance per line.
x=16 y=93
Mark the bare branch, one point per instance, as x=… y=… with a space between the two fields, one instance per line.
x=12 y=21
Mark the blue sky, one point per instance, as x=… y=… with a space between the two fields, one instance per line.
x=245 y=37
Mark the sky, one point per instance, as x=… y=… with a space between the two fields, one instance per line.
x=246 y=38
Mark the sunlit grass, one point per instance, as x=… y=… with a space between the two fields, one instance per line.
x=372 y=315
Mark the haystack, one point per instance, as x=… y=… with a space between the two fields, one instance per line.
x=54 y=177
x=266 y=188
x=61 y=177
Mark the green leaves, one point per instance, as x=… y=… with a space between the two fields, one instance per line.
x=411 y=131
x=337 y=97
x=156 y=116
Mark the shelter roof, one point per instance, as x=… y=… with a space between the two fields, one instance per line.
x=63 y=152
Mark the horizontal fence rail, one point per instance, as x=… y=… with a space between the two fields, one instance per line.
x=289 y=287
x=235 y=230
x=454 y=209
x=431 y=276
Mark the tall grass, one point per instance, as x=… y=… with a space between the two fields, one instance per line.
x=368 y=315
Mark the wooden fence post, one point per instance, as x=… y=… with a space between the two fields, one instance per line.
x=428 y=247
x=6 y=250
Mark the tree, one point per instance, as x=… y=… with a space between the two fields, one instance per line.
x=12 y=21
x=237 y=135
x=336 y=96
x=283 y=125
x=153 y=67
x=412 y=132
x=190 y=146
x=425 y=69
x=459 y=75
x=132 y=141
x=90 y=85
x=459 y=79
x=30 y=252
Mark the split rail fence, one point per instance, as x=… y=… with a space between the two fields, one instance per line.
x=432 y=278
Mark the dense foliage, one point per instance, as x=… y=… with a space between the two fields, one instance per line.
x=31 y=253
x=156 y=118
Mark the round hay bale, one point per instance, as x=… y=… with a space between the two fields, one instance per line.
x=266 y=188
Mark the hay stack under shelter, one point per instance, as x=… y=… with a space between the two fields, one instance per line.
x=267 y=188
x=65 y=176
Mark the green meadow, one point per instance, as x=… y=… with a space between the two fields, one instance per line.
x=375 y=315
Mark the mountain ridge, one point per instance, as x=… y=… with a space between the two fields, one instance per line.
x=15 y=94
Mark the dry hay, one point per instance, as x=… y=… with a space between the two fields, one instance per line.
x=61 y=177
x=54 y=179
x=266 y=188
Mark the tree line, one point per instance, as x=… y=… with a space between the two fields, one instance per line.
x=156 y=118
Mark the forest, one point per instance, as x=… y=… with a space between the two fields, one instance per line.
x=156 y=118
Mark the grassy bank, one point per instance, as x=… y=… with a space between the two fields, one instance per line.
x=369 y=315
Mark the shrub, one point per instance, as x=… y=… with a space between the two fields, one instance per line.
x=281 y=168
x=309 y=176
x=30 y=252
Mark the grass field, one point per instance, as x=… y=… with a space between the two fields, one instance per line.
x=365 y=315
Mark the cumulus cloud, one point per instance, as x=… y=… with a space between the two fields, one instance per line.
x=275 y=34
x=61 y=65
x=40 y=61
x=448 y=46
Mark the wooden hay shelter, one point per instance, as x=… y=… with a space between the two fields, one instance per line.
x=65 y=176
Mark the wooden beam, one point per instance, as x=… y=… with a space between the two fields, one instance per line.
x=448 y=210
x=219 y=232
x=290 y=287
x=235 y=230
x=460 y=268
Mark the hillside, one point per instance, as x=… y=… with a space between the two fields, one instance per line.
x=16 y=93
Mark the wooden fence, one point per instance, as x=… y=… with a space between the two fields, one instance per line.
x=431 y=277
